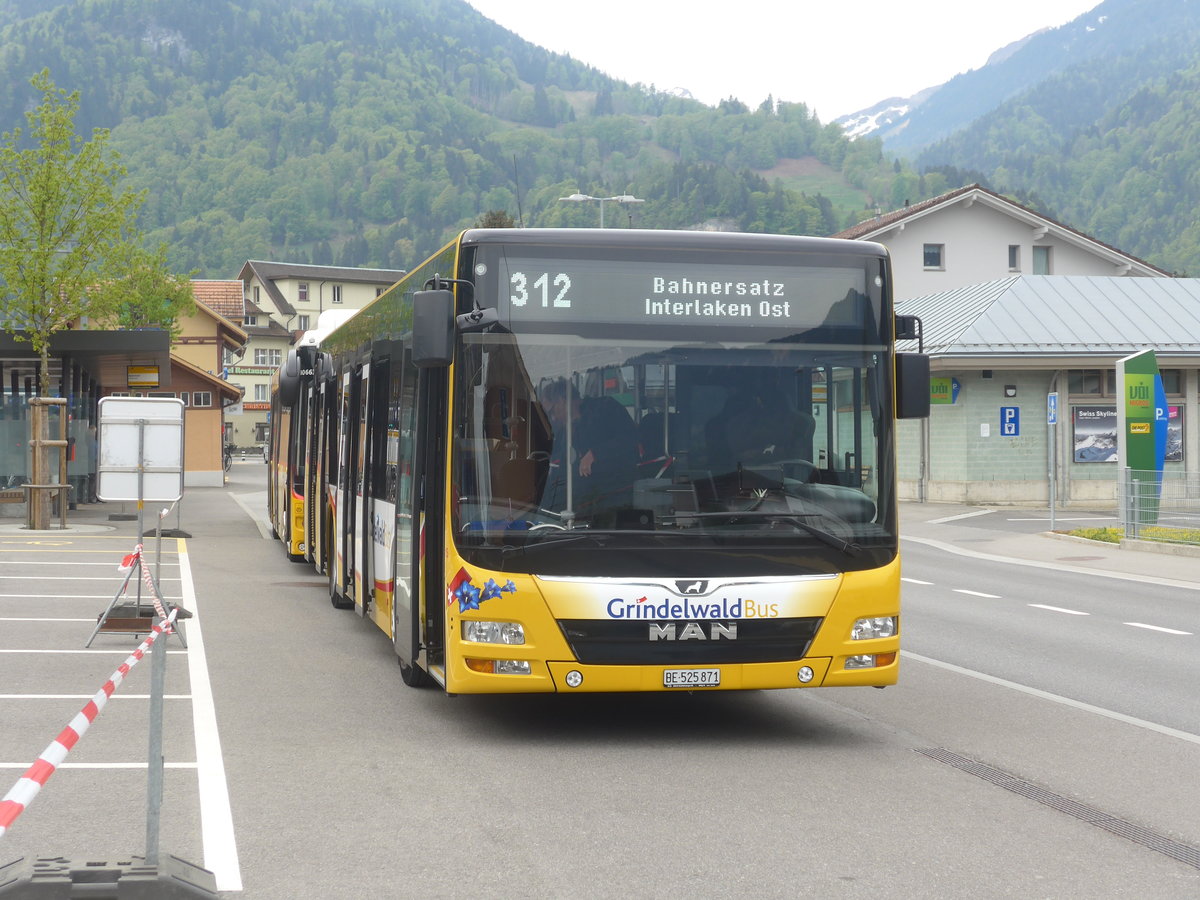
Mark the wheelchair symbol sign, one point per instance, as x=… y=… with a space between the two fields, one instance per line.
x=1010 y=421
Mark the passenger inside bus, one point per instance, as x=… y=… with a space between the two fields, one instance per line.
x=602 y=454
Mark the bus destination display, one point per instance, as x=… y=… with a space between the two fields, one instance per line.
x=626 y=292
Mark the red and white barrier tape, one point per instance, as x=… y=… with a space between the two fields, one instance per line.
x=132 y=560
x=39 y=773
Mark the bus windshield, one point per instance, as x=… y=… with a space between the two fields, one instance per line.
x=739 y=410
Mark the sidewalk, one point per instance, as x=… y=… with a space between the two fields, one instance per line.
x=990 y=531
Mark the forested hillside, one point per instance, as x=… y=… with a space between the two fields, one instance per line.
x=1108 y=146
x=364 y=132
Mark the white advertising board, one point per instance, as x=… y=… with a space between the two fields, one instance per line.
x=140 y=436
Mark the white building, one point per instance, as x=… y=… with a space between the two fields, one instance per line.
x=972 y=235
x=282 y=301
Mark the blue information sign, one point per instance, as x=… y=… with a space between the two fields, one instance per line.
x=1010 y=421
x=1052 y=408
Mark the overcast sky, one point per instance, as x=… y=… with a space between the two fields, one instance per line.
x=837 y=57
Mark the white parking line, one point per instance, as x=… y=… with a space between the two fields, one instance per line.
x=915 y=580
x=216 y=815
x=1156 y=628
x=1059 y=609
x=977 y=594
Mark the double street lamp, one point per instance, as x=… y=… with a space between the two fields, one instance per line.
x=620 y=198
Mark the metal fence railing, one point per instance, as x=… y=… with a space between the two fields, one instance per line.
x=1161 y=506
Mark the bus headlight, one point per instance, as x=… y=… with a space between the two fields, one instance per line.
x=482 y=632
x=880 y=627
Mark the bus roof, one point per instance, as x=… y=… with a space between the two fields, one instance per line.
x=662 y=239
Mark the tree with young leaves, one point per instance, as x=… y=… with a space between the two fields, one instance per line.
x=67 y=234
x=146 y=295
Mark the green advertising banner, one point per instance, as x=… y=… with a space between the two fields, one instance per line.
x=1136 y=413
x=943 y=390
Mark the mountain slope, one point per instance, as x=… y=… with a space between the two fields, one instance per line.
x=1109 y=144
x=1114 y=28
x=367 y=131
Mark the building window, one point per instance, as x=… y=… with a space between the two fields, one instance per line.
x=185 y=397
x=262 y=432
x=256 y=295
x=337 y=293
x=935 y=256
x=201 y=398
x=250 y=321
x=1014 y=257
x=1090 y=382
x=302 y=292
x=302 y=323
x=262 y=393
x=1041 y=260
x=266 y=357
x=1172 y=381
x=379 y=291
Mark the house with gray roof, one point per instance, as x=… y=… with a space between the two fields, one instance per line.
x=972 y=234
x=999 y=348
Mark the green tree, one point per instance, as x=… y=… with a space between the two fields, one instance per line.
x=495 y=218
x=147 y=295
x=66 y=223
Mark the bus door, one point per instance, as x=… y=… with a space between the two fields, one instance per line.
x=341 y=576
x=401 y=488
x=361 y=512
x=320 y=477
x=379 y=509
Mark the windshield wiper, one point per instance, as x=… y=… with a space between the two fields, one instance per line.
x=558 y=540
x=850 y=548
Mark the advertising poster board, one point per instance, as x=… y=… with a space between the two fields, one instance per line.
x=1094 y=433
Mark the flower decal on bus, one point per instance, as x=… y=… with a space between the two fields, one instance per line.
x=470 y=596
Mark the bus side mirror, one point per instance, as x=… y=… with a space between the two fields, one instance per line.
x=908 y=328
x=912 y=386
x=433 y=329
x=289 y=379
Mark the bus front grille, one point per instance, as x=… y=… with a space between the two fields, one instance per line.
x=683 y=642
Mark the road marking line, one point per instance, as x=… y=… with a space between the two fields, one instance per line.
x=1069 y=612
x=33 y=562
x=54 y=619
x=1156 y=628
x=977 y=594
x=216 y=814
x=915 y=580
x=1057 y=698
x=1055 y=566
x=970 y=515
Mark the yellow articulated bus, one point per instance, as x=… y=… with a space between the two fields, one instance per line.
x=618 y=460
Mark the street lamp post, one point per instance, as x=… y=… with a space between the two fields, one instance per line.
x=620 y=198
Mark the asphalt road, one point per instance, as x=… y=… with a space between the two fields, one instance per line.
x=963 y=780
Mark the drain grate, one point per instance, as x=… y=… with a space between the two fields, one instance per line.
x=1184 y=853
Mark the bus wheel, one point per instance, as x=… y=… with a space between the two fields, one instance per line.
x=413 y=675
x=336 y=597
x=410 y=673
